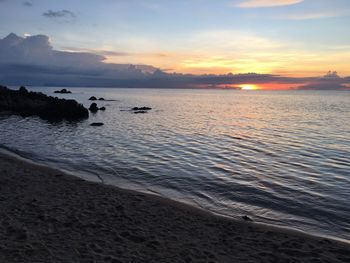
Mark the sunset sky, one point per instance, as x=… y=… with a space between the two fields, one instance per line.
x=291 y=38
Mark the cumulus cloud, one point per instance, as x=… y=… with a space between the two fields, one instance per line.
x=266 y=3
x=33 y=57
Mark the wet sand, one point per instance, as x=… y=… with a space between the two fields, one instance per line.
x=49 y=216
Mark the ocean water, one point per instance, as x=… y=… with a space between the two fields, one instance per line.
x=280 y=157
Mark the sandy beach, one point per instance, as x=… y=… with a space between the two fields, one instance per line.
x=48 y=216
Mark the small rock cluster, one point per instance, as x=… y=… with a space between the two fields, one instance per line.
x=138 y=110
x=93 y=108
x=94 y=98
x=63 y=91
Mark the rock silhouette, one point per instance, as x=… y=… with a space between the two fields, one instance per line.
x=25 y=103
x=138 y=110
x=141 y=108
x=92 y=98
x=63 y=91
x=97 y=124
x=93 y=107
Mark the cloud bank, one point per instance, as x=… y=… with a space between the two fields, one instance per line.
x=330 y=81
x=33 y=61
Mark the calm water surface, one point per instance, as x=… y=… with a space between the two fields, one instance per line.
x=279 y=157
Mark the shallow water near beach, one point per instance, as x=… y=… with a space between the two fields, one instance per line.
x=280 y=157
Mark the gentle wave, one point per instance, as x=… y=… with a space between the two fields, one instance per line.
x=279 y=157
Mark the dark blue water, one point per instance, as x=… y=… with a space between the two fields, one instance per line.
x=280 y=157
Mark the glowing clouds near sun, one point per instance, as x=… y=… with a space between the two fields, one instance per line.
x=248 y=87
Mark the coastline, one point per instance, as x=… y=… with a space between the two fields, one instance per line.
x=51 y=216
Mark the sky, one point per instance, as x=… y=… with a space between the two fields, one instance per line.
x=298 y=40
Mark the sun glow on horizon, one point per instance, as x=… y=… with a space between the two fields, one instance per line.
x=249 y=87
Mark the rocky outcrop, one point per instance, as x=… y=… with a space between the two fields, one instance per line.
x=63 y=91
x=25 y=103
x=94 y=98
x=93 y=107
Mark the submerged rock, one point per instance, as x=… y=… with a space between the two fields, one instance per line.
x=25 y=103
x=141 y=108
x=101 y=99
x=103 y=108
x=93 y=107
x=92 y=98
x=63 y=91
x=138 y=110
x=97 y=124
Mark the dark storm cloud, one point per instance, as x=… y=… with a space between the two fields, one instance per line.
x=33 y=61
x=33 y=58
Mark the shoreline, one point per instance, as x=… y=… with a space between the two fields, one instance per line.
x=140 y=222
x=97 y=180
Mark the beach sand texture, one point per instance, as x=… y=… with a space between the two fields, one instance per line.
x=48 y=216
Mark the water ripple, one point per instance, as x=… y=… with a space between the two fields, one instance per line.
x=279 y=157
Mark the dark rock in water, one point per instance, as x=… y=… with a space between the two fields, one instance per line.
x=92 y=98
x=93 y=107
x=63 y=91
x=141 y=108
x=25 y=103
x=101 y=99
x=103 y=108
x=97 y=124
x=247 y=218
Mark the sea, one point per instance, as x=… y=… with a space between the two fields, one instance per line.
x=280 y=157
